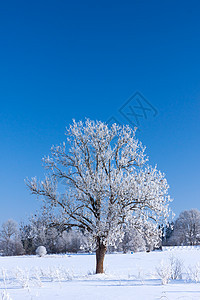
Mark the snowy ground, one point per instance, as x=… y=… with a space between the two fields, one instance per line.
x=127 y=276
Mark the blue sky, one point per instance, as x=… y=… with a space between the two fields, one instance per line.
x=61 y=60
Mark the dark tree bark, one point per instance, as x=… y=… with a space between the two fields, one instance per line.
x=100 y=254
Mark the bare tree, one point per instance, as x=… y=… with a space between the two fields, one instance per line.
x=107 y=182
x=9 y=229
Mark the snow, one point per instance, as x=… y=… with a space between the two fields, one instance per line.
x=127 y=276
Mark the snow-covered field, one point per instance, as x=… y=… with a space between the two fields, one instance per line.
x=127 y=276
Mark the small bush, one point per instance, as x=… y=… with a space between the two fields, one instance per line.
x=23 y=278
x=6 y=296
x=171 y=270
x=176 y=268
x=41 y=251
x=164 y=272
x=194 y=273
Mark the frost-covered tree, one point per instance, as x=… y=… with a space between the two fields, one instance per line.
x=10 y=242
x=71 y=241
x=167 y=232
x=107 y=183
x=9 y=229
x=132 y=241
x=39 y=232
x=187 y=228
x=144 y=237
x=56 y=239
x=26 y=236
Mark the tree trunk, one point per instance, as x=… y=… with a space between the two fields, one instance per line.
x=100 y=254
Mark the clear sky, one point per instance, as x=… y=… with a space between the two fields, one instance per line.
x=61 y=60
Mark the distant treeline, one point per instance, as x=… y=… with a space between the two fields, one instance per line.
x=25 y=238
